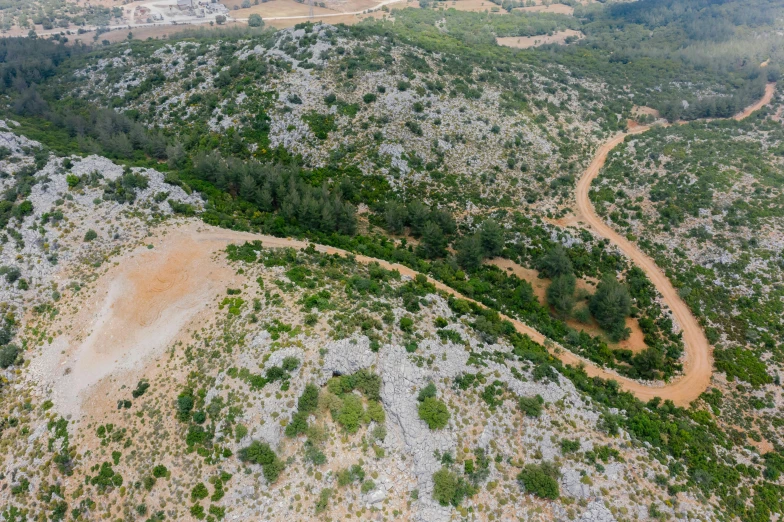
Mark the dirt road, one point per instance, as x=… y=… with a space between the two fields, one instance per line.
x=698 y=365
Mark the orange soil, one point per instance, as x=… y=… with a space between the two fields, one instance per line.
x=635 y=342
x=552 y=8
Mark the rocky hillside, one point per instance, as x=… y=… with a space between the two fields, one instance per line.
x=353 y=273
x=424 y=122
x=303 y=384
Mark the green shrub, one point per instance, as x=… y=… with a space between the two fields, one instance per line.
x=260 y=453
x=182 y=208
x=569 y=446
x=364 y=380
x=427 y=391
x=290 y=364
x=254 y=20
x=320 y=124
x=240 y=430
x=540 y=480
x=8 y=355
x=308 y=401
x=351 y=414
x=197 y=512
x=199 y=492
x=349 y=475
x=376 y=412
x=481 y=470
x=531 y=406
x=434 y=412
x=449 y=488
x=313 y=454
x=185 y=404
x=406 y=324
x=323 y=500
x=298 y=424
x=196 y=435
x=141 y=388
x=160 y=471
x=90 y=235
x=275 y=373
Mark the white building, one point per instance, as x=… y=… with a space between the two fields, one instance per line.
x=185 y=4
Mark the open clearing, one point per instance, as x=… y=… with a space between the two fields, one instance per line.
x=524 y=42
x=552 y=8
x=636 y=340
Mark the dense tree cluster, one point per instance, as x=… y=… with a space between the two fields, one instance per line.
x=260 y=453
x=275 y=188
x=430 y=224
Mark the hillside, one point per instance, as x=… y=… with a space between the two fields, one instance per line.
x=396 y=270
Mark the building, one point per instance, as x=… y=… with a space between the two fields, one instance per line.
x=185 y=4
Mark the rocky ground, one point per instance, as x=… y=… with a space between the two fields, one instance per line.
x=94 y=453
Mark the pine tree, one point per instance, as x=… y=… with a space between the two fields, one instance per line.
x=328 y=220
x=492 y=237
x=555 y=263
x=263 y=198
x=395 y=215
x=247 y=188
x=469 y=253
x=560 y=294
x=433 y=244
x=417 y=218
x=610 y=305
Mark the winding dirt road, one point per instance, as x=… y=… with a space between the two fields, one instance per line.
x=698 y=365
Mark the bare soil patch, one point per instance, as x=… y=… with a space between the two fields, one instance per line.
x=552 y=8
x=155 y=32
x=635 y=342
x=524 y=42
x=274 y=8
x=137 y=309
x=475 y=6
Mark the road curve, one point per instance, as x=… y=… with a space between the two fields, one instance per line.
x=698 y=365
x=641 y=391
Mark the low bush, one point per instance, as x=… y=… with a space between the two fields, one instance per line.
x=260 y=453
x=531 y=406
x=449 y=488
x=434 y=412
x=540 y=480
